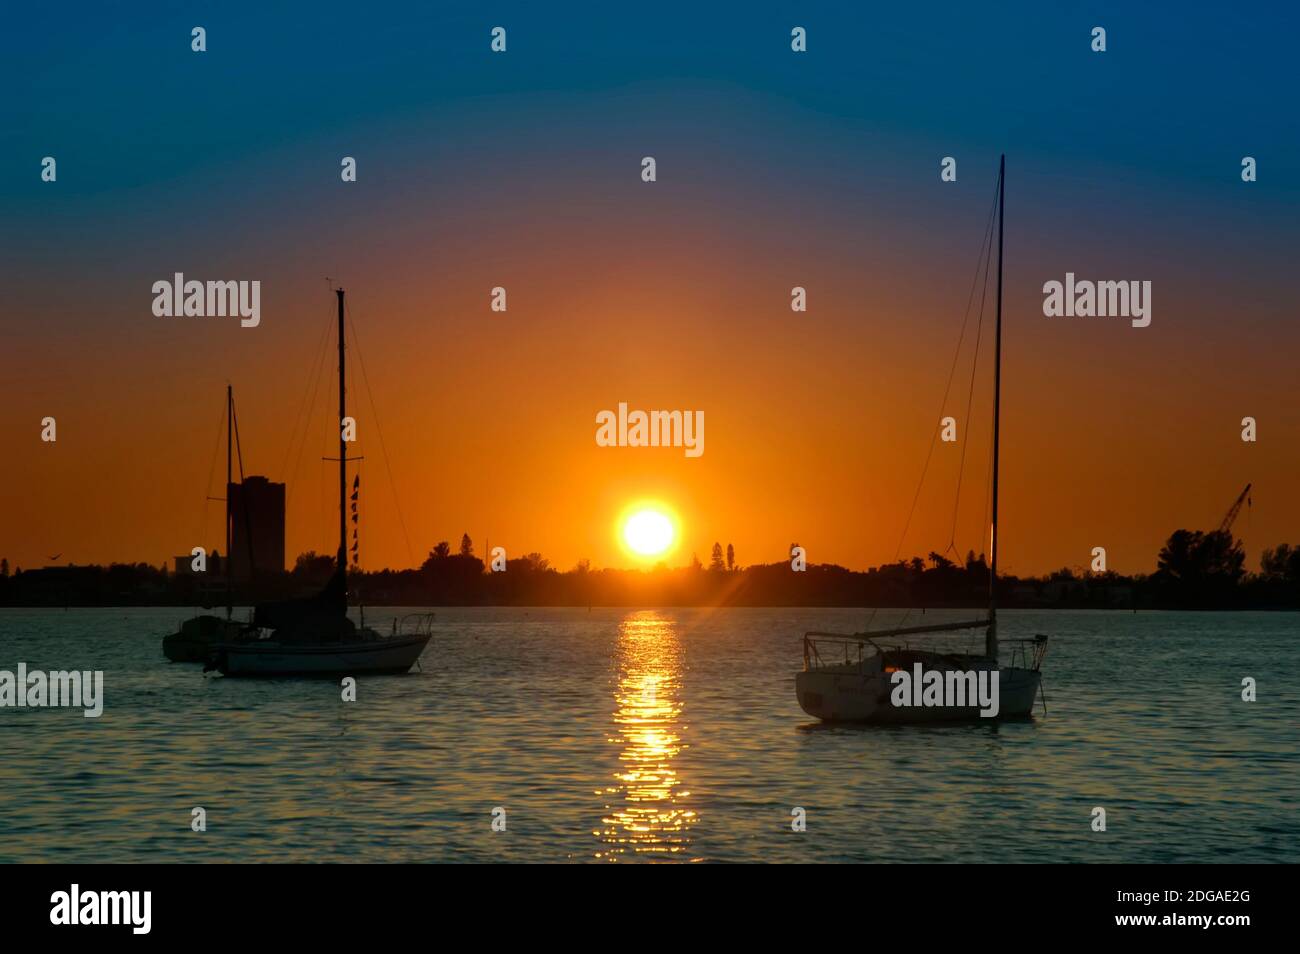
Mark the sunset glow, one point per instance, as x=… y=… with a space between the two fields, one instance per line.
x=673 y=295
x=648 y=532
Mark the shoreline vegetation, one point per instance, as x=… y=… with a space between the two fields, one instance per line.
x=1195 y=570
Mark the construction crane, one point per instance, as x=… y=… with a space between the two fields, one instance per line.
x=1231 y=516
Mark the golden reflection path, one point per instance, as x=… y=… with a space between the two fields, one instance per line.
x=646 y=813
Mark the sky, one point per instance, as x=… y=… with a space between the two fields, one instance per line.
x=522 y=170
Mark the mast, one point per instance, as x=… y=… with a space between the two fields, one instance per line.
x=230 y=569
x=991 y=636
x=343 y=456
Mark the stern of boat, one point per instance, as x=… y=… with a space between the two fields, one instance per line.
x=841 y=680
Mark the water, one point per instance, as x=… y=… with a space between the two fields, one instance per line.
x=653 y=734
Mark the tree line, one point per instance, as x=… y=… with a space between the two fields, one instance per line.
x=1194 y=570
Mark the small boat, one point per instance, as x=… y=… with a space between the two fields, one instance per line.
x=199 y=635
x=314 y=636
x=854 y=681
x=865 y=677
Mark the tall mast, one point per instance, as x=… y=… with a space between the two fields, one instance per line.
x=991 y=636
x=230 y=569
x=343 y=453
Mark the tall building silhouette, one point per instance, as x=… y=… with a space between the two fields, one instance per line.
x=257 y=518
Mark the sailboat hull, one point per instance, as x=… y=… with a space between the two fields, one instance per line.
x=848 y=694
x=369 y=657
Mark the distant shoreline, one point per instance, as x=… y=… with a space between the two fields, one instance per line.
x=1196 y=571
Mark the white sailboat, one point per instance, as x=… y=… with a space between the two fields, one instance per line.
x=856 y=677
x=314 y=636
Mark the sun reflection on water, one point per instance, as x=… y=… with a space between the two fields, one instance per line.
x=646 y=815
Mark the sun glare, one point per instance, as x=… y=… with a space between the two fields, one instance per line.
x=648 y=532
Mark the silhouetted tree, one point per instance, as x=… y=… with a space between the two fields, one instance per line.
x=731 y=557
x=1200 y=569
x=938 y=561
x=447 y=578
x=466 y=545
x=1282 y=563
x=1279 y=583
x=309 y=567
x=715 y=560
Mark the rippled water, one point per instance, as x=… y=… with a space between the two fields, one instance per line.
x=653 y=734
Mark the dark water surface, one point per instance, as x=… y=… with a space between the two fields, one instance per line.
x=653 y=734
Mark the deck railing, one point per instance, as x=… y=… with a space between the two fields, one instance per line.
x=821 y=649
x=834 y=645
x=1029 y=651
x=414 y=624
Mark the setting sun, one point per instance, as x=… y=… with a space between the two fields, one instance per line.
x=648 y=532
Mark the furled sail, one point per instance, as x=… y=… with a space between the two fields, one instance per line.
x=329 y=604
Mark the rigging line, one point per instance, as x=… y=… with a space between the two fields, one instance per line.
x=207 y=497
x=988 y=497
x=934 y=436
x=302 y=402
x=239 y=453
x=313 y=384
x=306 y=426
x=388 y=464
x=328 y=436
x=248 y=526
x=970 y=394
x=948 y=387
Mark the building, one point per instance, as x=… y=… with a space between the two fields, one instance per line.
x=257 y=526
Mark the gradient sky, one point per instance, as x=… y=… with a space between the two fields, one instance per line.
x=522 y=170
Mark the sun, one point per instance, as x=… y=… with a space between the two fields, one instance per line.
x=648 y=531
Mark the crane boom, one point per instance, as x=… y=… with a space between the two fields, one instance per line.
x=1231 y=516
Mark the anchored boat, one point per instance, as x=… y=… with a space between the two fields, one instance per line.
x=199 y=635
x=314 y=636
x=852 y=678
x=858 y=677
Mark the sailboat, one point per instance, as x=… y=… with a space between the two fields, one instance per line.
x=197 y=637
x=854 y=677
x=314 y=636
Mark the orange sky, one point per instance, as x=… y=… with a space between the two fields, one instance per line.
x=816 y=424
x=667 y=296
